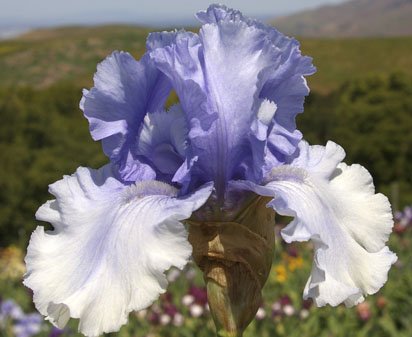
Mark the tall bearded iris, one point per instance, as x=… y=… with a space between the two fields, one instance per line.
x=198 y=179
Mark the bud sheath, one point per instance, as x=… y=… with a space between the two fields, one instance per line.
x=235 y=257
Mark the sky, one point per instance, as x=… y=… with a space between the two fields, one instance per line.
x=149 y=12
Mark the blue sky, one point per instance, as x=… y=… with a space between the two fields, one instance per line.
x=151 y=12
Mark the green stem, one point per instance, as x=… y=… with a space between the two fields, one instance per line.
x=223 y=333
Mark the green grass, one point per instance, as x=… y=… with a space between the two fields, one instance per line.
x=44 y=57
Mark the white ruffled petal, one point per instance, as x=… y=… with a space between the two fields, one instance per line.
x=109 y=250
x=336 y=207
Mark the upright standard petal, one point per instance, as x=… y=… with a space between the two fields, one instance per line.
x=228 y=72
x=109 y=249
x=336 y=207
x=216 y=76
x=125 y=90
x=235 y=57
x=283 y=84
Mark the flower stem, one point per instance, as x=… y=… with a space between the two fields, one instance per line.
x=223 y=333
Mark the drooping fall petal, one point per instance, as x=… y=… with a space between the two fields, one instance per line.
x=109 y=249
x=334 y=206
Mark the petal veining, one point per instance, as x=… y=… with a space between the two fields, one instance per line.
x=109 y=249
x=336 y=207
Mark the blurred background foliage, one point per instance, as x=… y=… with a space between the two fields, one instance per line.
x=371 y=118
x=361 y=98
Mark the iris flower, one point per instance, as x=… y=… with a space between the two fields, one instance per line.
x=231 y=140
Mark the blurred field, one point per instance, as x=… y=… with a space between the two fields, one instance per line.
x=44 y=57
x=361 y=98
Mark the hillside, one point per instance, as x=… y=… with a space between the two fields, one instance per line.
x=42 y=58
x=352 y=19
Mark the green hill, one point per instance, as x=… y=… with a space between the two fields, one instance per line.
x=44 y=57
